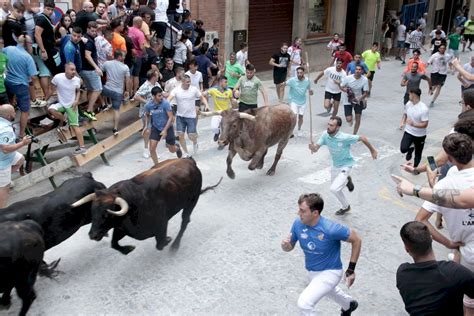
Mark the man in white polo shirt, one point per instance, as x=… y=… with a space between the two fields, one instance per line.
x=186 y=117
x=332 y=92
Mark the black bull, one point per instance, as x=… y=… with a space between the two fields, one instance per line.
x=21 y=253
x=251 y=134
x=141 y=207
x=53 y=211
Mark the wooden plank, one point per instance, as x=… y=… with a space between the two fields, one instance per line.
x=107 y=143
x=42 y=173
x=101 y=118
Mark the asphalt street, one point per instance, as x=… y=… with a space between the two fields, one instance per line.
x=230 y=261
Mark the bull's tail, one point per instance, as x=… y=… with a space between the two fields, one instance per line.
x=212 y=187
x=49 y=270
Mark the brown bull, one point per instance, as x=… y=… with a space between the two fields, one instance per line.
x=250 y=135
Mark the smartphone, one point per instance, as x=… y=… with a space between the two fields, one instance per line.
x=432 y=163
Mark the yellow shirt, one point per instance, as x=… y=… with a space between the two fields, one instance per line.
x=222 y=99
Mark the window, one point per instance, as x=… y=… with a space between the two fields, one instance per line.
x=318 y=18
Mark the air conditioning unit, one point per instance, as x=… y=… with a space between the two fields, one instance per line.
x=210 y=36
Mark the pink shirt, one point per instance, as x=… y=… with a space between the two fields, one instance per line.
x=138 y=39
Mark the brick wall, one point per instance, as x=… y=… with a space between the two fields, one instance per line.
x=212 y=13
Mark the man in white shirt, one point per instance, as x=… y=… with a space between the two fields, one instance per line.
x=332 y=92
x=356 y=87
x=186 y=117
x=439 y=62
x=401 y=38
x=196 y=78
x=242 y=55
x=415 y=118
x=438 y=28
x=458 y=221
x=67 y=86
x=466 y=83
x=161 y=19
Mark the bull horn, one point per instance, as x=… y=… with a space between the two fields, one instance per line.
x=88 y=198
x=214 y=113
x=247 y=116
x=123 y=207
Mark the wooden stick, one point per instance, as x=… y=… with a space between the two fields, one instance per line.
x=309 y=99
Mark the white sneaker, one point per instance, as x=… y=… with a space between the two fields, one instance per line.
x=38 y=103
x=146 y=153
x=196 y=148
x=299 y=133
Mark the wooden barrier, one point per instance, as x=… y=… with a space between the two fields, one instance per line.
x=62 y=135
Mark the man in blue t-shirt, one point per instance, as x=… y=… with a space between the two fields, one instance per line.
x=339 y=145
x=297 y=95
x=162 y=118
x=320 y=239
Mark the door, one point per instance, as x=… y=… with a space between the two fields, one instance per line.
x=350 y=33
x=270 y=24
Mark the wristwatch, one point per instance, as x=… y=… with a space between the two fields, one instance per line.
x=416 y=190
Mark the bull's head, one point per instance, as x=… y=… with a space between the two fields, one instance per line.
x=231 y=124
x=106 y=206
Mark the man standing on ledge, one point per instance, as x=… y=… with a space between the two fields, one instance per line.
x=339 y=145
x=320 y=239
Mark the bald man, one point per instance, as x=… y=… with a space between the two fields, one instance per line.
x=10 y=159
x=86 y=15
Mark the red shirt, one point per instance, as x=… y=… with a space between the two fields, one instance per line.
x=346 y=58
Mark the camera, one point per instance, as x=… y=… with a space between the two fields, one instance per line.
x=34 y=139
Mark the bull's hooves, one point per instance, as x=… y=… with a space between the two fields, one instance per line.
x=125 y=250
x=175 y=246
x=163 y=245
x=270 y=172
x=231 y=174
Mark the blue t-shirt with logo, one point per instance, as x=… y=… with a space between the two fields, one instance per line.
x=159 y=113
x=7 y=137
x=339 y=147
x=321 y=243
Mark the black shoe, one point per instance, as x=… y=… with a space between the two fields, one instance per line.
x=349 y=184
x=352 y=307
x=179 y=153
x=343 y=211
x=115 y=131
x=216 y=137
x=409 y=153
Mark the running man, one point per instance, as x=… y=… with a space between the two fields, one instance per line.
x=372 y=60
x=280 y=62
x=297 y=94
x=339 y=145
x=332 y=92
x=439 y=61
x=222 y=97
x=320 y=239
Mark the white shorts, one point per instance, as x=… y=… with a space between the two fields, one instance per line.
x=216 y=123
x=6 y=174
x=453 y=52
x=298 y=109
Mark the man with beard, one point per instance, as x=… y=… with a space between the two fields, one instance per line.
x=339 y=145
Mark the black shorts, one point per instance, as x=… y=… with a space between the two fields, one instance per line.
x=468 y=37
x=371 y=76
x=244 y=106
x=406 y=98
x=159 y=28
x=357 y=109
x=279 y=77
x=437 y=79
x=214 y=71
x=335 y=96
x=170 y=137
x=407 y=45
x=197 y=103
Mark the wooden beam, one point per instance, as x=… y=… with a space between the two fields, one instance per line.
x=42 y=173
x=106 y=144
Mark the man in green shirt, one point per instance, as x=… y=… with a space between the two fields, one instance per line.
x=372 y=59
x=3 y=66
x=453 y=48
x=246 y=90
x=233 y=71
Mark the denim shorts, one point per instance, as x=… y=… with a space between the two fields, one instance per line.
x=92 y=80
x=114 y=96
x=22 y=94
x=43 y=71
x=184 y=124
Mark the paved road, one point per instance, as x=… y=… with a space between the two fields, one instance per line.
x=230 y=261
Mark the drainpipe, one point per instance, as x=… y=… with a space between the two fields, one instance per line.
x=376 y=19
